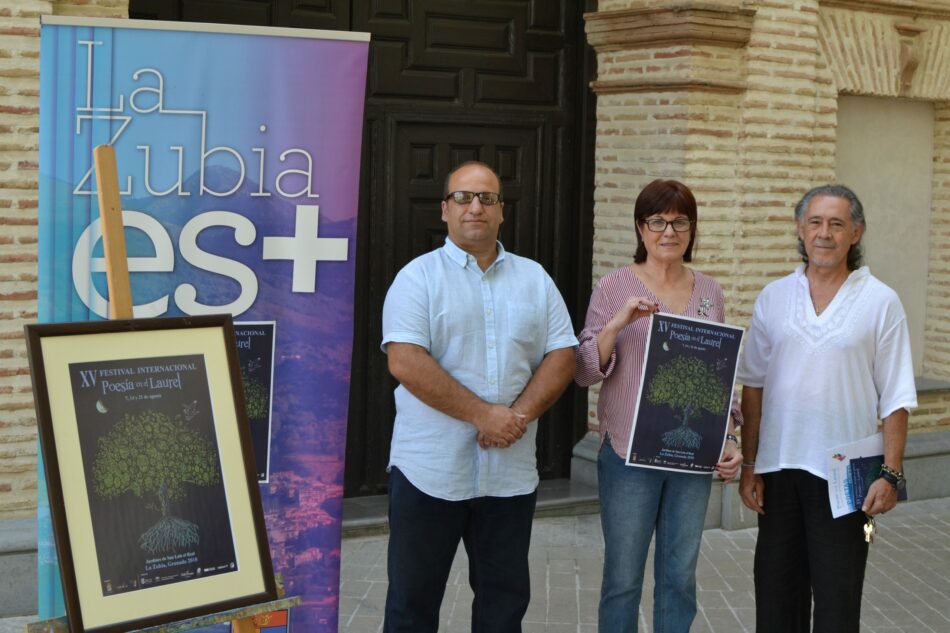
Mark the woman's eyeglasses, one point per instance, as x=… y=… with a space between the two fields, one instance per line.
x=658 y=225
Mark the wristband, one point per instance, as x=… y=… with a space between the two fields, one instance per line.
x=730 y=436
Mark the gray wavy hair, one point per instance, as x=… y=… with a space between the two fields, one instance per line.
x=856 y=252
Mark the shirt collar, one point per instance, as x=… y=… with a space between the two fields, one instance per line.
x=460 y=257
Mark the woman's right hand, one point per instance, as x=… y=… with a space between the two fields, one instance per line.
x=634 y=308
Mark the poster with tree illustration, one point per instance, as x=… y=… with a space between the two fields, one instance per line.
x=153 y=473
x=686 y=386
x=255 y=345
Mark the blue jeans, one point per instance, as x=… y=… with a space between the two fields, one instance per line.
x=424 y=533
x=635 y=501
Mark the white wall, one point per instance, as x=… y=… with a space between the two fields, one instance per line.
x=885 y=154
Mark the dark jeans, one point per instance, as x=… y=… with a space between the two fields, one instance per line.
x=803 y=552
x=424 y=533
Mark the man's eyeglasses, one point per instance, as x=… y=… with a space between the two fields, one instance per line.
x=487 y=198
x=658 y=225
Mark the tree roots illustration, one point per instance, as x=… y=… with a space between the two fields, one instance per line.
x=682 y=437
x=168 y=535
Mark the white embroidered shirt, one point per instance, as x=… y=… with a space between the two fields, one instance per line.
x=827 y=379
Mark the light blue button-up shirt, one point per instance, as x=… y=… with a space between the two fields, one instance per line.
x=489 y=330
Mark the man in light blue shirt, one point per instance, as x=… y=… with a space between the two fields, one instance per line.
x=482 y=344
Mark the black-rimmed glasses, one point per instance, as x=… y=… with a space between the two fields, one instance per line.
x=658 y=225
x=487 y=198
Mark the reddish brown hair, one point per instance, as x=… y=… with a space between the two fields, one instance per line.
x=658 y=197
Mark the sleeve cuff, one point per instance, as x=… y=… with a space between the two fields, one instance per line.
x=404 y=337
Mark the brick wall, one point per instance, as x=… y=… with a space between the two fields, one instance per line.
x=752 y=128
x=19 y=108
x=937 y=333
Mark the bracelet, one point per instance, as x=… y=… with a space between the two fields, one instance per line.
x=748 y=464
x=890 y=471
x=730 y=436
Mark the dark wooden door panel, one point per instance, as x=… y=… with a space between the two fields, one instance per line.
x=247 y=12
x=313 y=14
x=472 y=53
x=422 y=152
x=502 y=81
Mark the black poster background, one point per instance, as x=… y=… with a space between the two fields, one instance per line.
x=714 y=349
x=255 y=345
x=175 y=387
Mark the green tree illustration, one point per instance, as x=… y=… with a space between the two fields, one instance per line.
x=151 y=454
x=255 y=396
x=686 y=385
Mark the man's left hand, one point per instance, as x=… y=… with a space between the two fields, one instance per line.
x=484 y=442
x=881 y=497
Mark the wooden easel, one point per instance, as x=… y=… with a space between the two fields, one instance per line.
x=248 y=619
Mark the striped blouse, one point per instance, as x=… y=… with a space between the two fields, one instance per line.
x=621 y=377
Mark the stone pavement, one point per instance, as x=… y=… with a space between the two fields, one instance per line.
x=907 y=588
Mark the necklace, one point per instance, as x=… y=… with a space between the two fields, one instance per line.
x=821 y=303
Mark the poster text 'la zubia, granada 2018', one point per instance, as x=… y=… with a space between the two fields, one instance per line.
x=238 y=156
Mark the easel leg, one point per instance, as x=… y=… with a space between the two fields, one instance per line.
x=245 y=625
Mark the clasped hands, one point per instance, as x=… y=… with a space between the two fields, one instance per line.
x=499 y=426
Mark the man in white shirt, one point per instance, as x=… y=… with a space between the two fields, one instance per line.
x=827 y=356
x=482 y=344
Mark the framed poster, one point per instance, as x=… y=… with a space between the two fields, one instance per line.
x=686 y=387
x=152 y=484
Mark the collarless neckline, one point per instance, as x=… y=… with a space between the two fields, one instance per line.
x=831 y=306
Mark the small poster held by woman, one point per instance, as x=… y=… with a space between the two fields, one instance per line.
x=686 y=386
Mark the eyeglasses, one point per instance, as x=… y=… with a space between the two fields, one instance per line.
x=487 y=198
x=658 y=225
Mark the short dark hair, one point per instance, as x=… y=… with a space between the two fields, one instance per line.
x=856 y=252
x=445 y=185
x=661 y=196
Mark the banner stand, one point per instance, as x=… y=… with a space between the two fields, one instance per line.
x=245 y=619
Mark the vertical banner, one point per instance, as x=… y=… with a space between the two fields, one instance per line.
x=238 y=154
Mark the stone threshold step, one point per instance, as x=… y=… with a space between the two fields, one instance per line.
x=366 y=516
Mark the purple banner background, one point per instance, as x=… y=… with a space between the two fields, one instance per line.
x=224 y=141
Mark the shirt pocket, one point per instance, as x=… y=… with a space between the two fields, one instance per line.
x=523 y=322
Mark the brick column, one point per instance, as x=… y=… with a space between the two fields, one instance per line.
x=671 y=79
x=937 y=342
x=19 y=144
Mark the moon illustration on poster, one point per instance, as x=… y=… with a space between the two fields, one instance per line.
x=101 y=408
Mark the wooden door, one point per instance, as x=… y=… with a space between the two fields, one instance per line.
x=502 y=81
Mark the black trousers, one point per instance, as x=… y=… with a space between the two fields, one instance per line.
x=804 y=553
x=424 y=534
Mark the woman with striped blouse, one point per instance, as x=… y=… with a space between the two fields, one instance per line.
x=635 y=502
